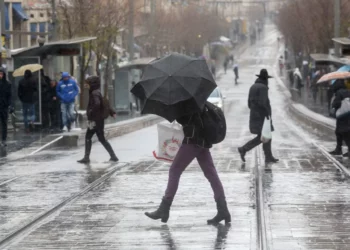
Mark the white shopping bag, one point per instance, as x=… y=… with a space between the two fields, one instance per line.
x=170 y=136
x=266 y=133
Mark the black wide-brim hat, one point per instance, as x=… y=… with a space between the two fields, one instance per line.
x=264 y=74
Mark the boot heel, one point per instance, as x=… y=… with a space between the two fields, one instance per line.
x=228 y=220
x=165 y=219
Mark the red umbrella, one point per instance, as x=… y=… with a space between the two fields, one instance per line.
x=334 y=76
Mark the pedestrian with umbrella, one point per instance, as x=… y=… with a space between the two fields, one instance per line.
x=27 y=93
x=176 y=87
x=341 y=105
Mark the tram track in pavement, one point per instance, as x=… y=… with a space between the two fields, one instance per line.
x=263 y=242
x=37 y=221
x=259 y=168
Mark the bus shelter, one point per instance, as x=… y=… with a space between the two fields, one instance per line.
x=55 y=58
x=125 y=77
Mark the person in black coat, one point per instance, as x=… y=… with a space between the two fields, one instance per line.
x=54 y=107
x=260 y=108
x=342 y=129
x=27 y=93
x=45 y=99
x=5 y=103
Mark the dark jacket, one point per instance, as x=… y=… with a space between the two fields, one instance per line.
x=53 y=93
x=45 y=91
x=193 y=130
x=95 y=106
x=27 y=88
x=5 y=92
x=342 y=124
x=259 y=105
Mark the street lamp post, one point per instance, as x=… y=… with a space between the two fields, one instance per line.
x=336 y=24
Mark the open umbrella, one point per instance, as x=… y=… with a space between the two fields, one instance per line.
x=32 y=67
x=174 y=86
x=334 y=76
x=345 y=68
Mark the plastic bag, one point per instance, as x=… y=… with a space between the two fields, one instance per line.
x=170 y=137
x=266 y=133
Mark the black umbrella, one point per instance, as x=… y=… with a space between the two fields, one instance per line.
x=174 y=86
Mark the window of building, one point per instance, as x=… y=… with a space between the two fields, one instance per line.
x=42 y=27
x=41 y=14
x=33 y=28
x=31 y=15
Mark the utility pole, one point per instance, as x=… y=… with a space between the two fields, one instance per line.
x=152 y=28
x=131 y=30
x=337 y=25
x=54 y=20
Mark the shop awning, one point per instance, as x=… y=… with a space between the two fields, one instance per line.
x=58 y=48
x=19 y=11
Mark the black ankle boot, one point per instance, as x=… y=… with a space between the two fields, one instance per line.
x=162 y=212
x=242 y=153
x=86 y=159
x=271 y=159
x=337 y=151
x=223 y=213
x=109 y=149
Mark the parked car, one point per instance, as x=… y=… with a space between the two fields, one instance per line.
x=217 y=98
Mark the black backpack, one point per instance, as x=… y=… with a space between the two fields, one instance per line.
x=106 y=108
x=214 y=123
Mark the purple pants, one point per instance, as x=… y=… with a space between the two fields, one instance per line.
x=184 y=157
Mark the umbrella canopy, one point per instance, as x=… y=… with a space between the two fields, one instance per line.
x=174 y=86
x=345 y=68
x=334 y=76
x=32 y=67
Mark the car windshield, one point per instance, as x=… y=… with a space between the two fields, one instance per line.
x=215 y=93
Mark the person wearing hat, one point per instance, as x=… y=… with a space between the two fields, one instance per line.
x=260 y=108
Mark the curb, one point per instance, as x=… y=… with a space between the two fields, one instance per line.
x=76 y=139
x=323 y=124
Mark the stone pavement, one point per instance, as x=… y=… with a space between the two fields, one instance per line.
x=306 y=198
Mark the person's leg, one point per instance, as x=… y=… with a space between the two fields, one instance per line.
x=88 y=144
x=346 y=138
x=183 y=158
x=25 y=115
x=268 y=153
x=249 y=146
x=206 y=163
x=45 y=116
x=32 y=113
x=70 y=115
x=104 y=142
x=3 y=120
x=338 y=150
x=64 y=114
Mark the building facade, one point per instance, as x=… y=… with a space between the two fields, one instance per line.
x=23 y=18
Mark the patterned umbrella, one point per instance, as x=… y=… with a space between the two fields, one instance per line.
x=334 y=76
x=345 y=68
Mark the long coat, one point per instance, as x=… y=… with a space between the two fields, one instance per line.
x=343 y=124
x=259 y=105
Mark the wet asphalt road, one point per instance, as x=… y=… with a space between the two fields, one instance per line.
x=306 y=198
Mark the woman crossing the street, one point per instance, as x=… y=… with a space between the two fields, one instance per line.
x=193 y=146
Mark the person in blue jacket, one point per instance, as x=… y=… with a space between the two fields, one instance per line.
x=67 y=89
